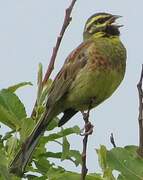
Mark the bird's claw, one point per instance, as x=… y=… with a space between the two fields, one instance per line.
x=87 y=130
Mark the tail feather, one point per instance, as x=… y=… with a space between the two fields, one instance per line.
x=68 y=113
x=23 y=156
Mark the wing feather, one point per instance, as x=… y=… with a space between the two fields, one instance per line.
x=73 y=64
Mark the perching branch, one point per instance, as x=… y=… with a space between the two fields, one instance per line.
x=66 y=22
x=88 y=131
x=140 y=117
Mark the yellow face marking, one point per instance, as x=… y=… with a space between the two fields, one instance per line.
x=95 y=19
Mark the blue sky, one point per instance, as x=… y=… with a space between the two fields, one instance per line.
x=28 y=30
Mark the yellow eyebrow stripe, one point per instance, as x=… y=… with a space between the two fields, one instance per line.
x=95 y=19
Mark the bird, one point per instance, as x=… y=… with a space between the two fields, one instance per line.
x=89 y=75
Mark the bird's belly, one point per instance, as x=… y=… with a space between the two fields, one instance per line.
x=93 y=85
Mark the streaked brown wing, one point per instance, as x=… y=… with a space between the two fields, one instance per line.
x=73 y=64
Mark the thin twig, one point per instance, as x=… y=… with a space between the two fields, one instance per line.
x=140 y=117
x=67 y=20
x=112 y=140
x=88 y=131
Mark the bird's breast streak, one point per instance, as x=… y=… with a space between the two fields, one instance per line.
x=88 y=85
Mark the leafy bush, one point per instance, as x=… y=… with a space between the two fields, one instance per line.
x=13 y=115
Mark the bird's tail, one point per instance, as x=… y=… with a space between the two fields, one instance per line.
x=23 y=156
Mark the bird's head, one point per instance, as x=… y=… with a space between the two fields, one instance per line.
x=101 y=24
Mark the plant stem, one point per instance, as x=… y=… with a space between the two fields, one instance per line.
x=140 y=117
x=67 y=20
x=88 y=131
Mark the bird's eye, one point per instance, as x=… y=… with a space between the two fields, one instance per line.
x=102 y=20
x=88 y=28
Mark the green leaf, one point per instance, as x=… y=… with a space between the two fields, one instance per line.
x=76 y=155
x=61 y=134
x=95 y=175
x=40 y=73
x=4 y=172
x=7 y=135
x=54 y=173
x=73 y=155
x=102 y=157
x=53 y=124
x=66 y=148
x=13 y=88
x=40 y=149
x=70 y=176
x=8 y=118
x=11 y=109
x=32 y=177
x=43 y=165
x=48 y=154
x=121 y=177
x=27 y=125
x=11 y=146
x=126 y=161
x=107 y=174
x=4 y=165
x=39 y=82
x=45 y=91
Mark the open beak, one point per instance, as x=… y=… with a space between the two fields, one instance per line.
x=112 y=20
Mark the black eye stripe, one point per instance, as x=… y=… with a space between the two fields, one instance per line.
x=102 y=20
x=89 y=27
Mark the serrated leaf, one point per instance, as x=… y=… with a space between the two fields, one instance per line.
x=13 y=88
x=126 y=161
x=11 y=108
x=8 y=119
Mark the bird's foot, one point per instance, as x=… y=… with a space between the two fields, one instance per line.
x=87 y=130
